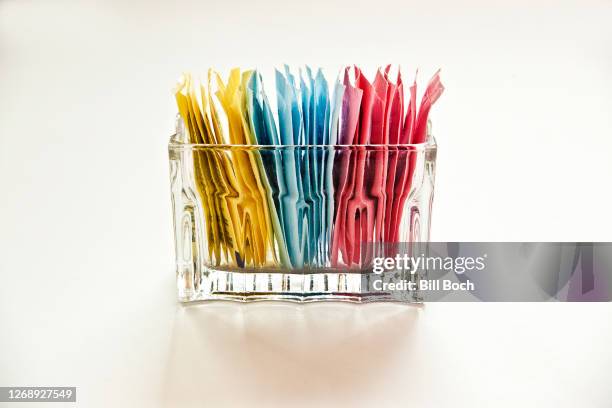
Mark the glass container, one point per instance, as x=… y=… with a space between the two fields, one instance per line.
x=295 y=223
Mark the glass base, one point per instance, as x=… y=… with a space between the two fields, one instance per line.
x=305 y=286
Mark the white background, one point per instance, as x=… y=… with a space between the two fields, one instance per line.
x=86 y=277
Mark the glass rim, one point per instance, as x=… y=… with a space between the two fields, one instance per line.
x=428 y=145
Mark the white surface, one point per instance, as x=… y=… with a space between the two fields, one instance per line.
x=86 y=280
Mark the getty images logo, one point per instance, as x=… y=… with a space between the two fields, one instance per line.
x=458 y=265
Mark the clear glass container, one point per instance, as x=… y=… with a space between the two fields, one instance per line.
x=296 y=223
